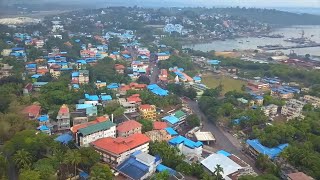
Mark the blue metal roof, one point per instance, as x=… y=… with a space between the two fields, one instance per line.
x=161 y=168
x=64 y=138
x=133 y=168
x=197 y=78
x=31 y=66
x=126 y=56
x=83 y=106
x=75 y=74
x=40 y=83
x=187 y=142
x=106 y=98
x=171 y=131
x=171 y=119
x=43 y=128
x=214 y=62
x=75 y=86
x=83 y=175
x=223 y=152
x=36 y=76
x=271 y=152
x=43 y=118
x=113 y=86
x=91 y=97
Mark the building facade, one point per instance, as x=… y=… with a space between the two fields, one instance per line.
x=148 y=111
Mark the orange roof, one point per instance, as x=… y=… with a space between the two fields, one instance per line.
x=33 y=109
x=125 y=88
x=100 y=119
x=42 y=71
x=121 y=144
x=157 y=125
x=164 y=72
x=63 y=109
x=119 y=67
x=134 y=98
x=128 y=125
x=145 y=106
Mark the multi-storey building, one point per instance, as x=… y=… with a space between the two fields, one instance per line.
x=315 y=101
x=293 y=109
x=63 y=118
x=148 y=111
x=128 y=128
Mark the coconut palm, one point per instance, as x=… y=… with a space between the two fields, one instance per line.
x=218 y=171
x=73 y=157
x=22 y=159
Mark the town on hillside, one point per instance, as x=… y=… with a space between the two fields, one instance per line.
x=112 y=94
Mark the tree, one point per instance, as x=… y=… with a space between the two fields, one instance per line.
x=3 y=166
x=164 y=175
x=89 y=157
x=217 y=172
x=143 y=80
x=259 y=177
x=22 y=159
x=146 y=125
x=73 y=157
x=193 y=120
x=28 y=174
x=100 y=172
x=45 y=168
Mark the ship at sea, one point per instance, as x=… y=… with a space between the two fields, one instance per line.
x=300 y=40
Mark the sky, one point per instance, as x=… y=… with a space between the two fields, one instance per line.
x=247 y=3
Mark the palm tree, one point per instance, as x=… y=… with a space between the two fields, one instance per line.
x=73 y=157
x=22 y=159
x=217 y=172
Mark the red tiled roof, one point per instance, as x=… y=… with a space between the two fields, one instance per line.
x=128 y=125
x=299 y=176
x=164 y=72
x=159 y=125
x=121 y=144
x=42 y=71
x=125 y=88
x=134 y=98
x=33 y=109
x=145 y=106
x=63 y=109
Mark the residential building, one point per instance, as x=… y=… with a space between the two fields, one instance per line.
x=163 y=76
x=139 y=166
x=258 y=85
x=158 y=135
x=162 y=56
x=233 y=167
x=128 y=128
x=298 y=176
x=93 y=130
x=254 y=148
x=180 y=115
x=115 y=150
x=148 y=111
x=170 y=28
x=134 y=99
x=88 y=109
x=63 y=118
x=315 y=101
x=128 y=107
x=83 y=76
x=270 y=110
x=79 y=120
x=187 y=146
x=32 y=112
x=5 y=70
x=292 y=109
x=284 y=92
x=119 y=68
x=157 y=125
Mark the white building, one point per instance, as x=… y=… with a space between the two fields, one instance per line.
x=270 y=110
x=87 y=133
x=115 y=150
x=187 y=146
x=314 y=101
x=293 y=109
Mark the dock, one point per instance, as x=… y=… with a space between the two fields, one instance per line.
x=268 y=48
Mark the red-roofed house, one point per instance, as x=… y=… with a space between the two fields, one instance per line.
x=163 y=75
x=119 y=68
x=148 y=111
x=135 y=99
x=116 y=150
x=128 y=128
x=32 y=112
x=63 y=118
x=157 y=125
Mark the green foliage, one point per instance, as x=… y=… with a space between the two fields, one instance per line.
x=180 y=90
x=100 y=172
x=172 y=42
x=159 y=101
x=22 y=159
x=147 y=125
x=45 y=168
x=193 y=120
x=264 y=164
x=30 y=175
x=3 y=166
x=88 y=157
x=73 y=157
x=143 y=80
x=184 y=62
x=267 y=100
x=164 y=175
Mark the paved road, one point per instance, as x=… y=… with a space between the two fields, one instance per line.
x=224 y=140
x=154 y=75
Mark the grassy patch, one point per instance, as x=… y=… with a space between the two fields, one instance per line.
x=228 y=83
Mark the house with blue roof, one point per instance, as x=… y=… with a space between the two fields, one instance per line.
x=171 y=120
x=44 y=129
x=171 y=131
x=38 y=85
x=254 y=148
x=43 y=119
x=139 y=166
x=187 y=146
x=155 y=89
x=88 y=109
x=197 y=79
x=214 y=62
x=284 y=92
x=113 y=86
x=64 y=138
